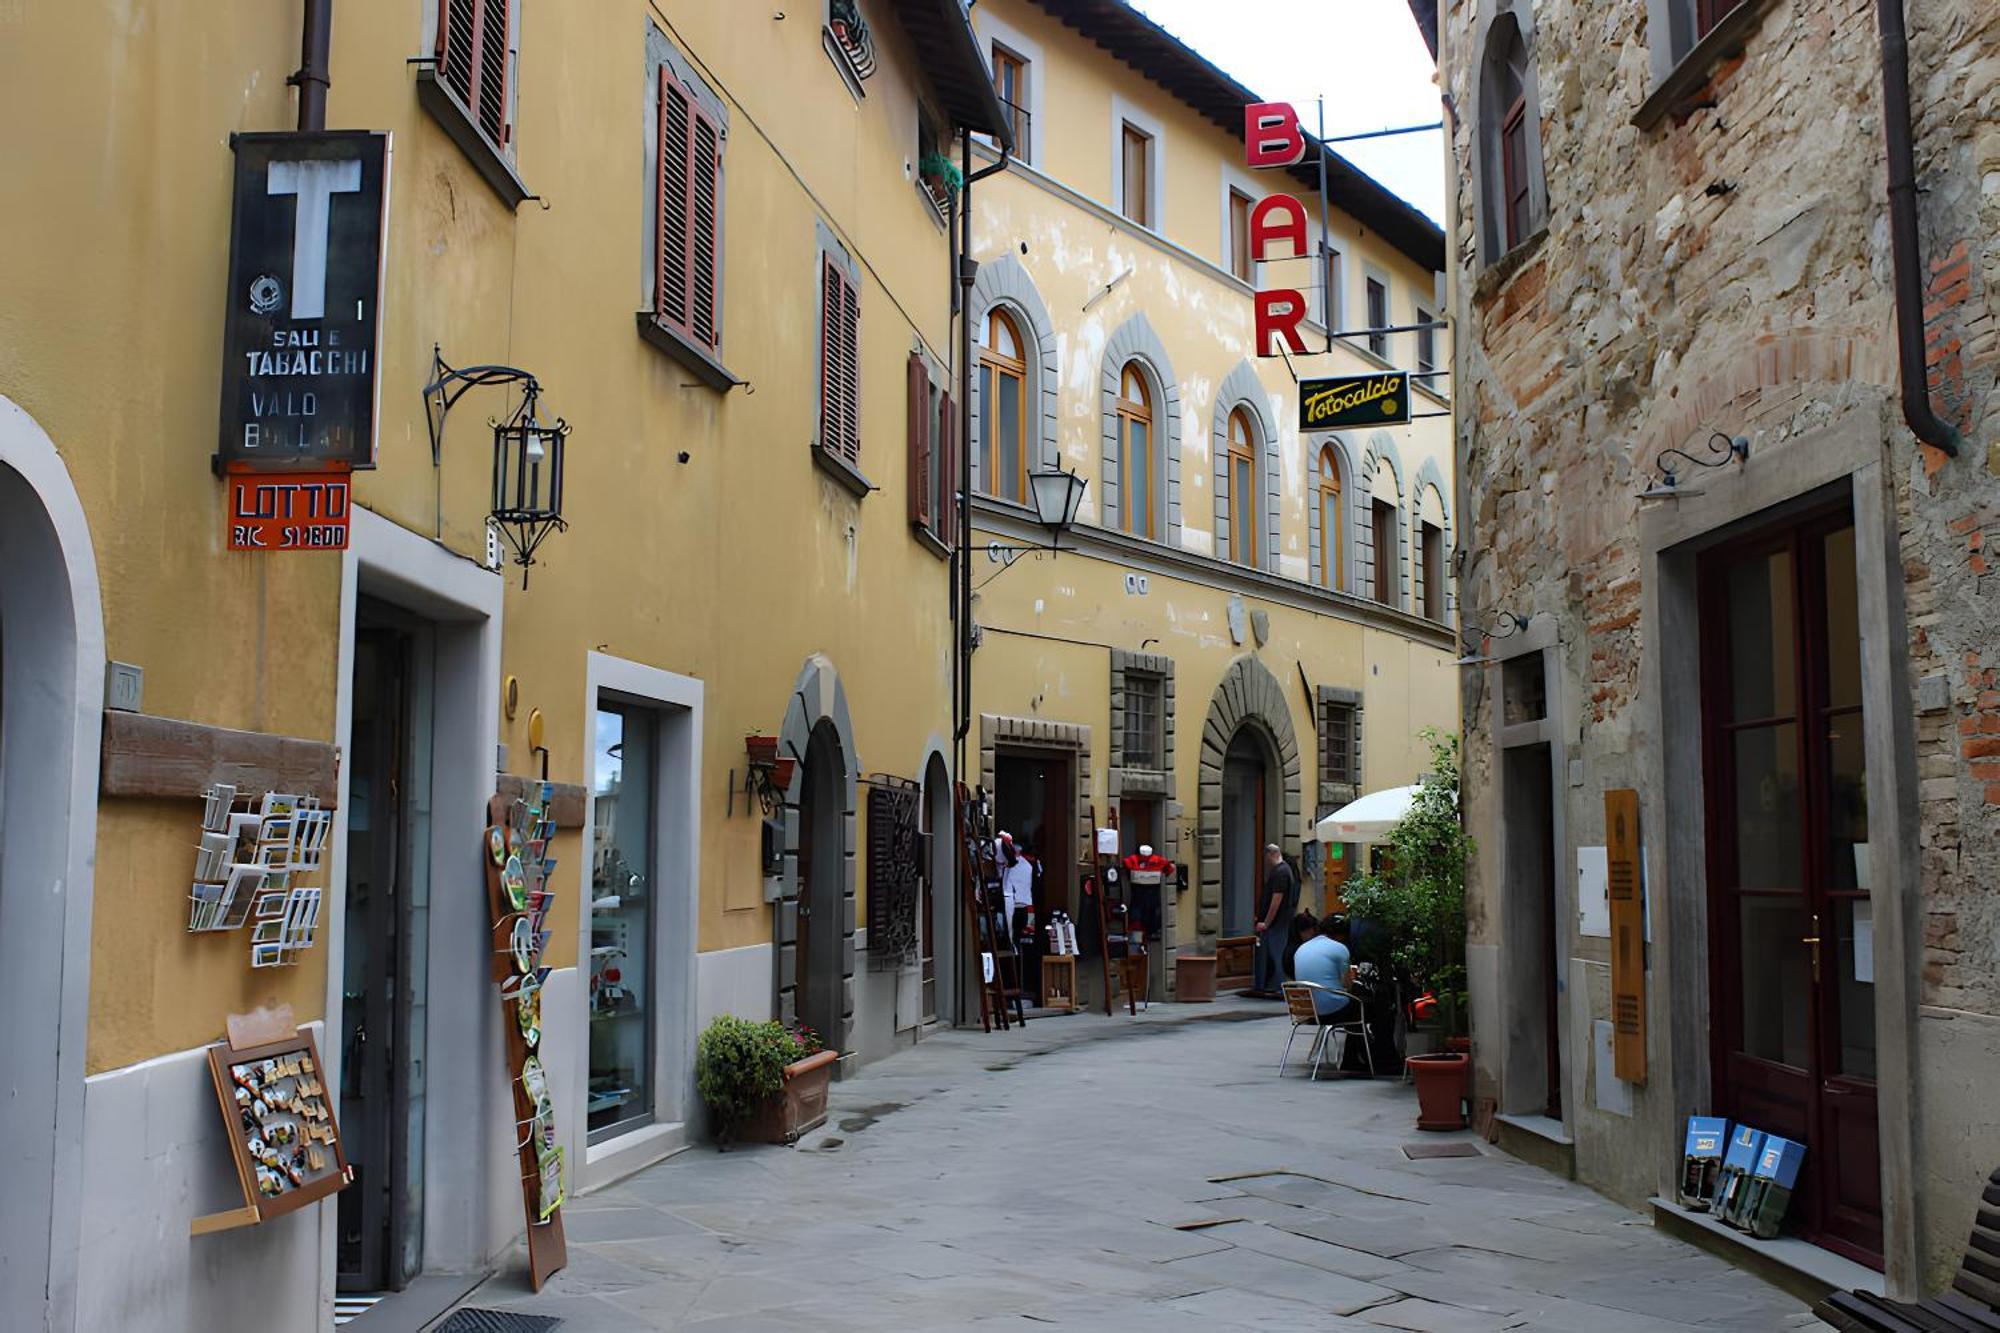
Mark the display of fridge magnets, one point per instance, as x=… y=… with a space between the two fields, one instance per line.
x=496 y=845
x=515 y=881
x=523 y=944
x=216 y=803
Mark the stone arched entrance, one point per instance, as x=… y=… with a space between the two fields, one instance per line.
x=814 y=927
x=1248 y=734
x=51 y=698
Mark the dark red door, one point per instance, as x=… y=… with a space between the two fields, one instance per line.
x=1791 y=930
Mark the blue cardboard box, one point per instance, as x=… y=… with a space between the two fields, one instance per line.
x=1779 y=1161
x=1732 y=1184
x=1701 y=1161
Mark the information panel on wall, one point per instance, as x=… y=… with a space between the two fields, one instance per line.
x=1628 y=928
x=304 y=300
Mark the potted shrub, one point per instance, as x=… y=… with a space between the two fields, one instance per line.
x=1417 y=909
x=941 y=177
x=761 y=1081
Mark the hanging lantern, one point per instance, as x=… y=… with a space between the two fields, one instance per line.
x=528 y=479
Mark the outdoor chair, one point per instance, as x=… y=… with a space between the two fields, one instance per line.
x=1300 y=1002
x=1971 y=1306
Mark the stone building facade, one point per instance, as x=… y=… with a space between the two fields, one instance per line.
x=1671 y=231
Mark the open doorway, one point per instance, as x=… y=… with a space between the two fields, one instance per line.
x=1247 y=826
x=1534 y=1070
x=1033 y=796
x=822 y=813
x=937 y=915
x=384 y=987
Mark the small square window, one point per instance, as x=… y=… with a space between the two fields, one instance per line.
x=1339 y=752
x=1142 y=720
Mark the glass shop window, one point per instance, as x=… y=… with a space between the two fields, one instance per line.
x=623 y=857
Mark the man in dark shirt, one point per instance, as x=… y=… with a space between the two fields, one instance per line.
x=1275 y=907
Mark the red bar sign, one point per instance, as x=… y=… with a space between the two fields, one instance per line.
x=288 y=511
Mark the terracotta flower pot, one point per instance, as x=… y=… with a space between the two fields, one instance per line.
x=1440 y=1083
x=762 y=749
x=800 y=1108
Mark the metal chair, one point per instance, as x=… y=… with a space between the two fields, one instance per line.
x=1301 y=1004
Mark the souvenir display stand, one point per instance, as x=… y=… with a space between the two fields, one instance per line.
x=283 y=1140
x=995 y=965
x=517 y=871
x=1121 y=948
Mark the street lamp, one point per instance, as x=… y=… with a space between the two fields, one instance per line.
x=528 y=479
x=1056 y=496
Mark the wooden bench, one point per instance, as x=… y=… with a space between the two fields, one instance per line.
x=1972 y=1305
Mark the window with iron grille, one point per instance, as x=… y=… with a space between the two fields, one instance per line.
x=472 y=57
x=688 y=290
x=1339 y=751
x=1142 y=720
x=839 y=363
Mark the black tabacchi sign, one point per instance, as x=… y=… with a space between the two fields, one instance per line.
x=1354 y=400
x=305 y=288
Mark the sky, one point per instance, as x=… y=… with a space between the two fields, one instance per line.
x=1365 y=57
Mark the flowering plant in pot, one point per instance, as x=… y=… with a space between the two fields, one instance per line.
x=762 y=1082
x=1415 y=908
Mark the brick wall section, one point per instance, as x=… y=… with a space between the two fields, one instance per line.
x=1728 y=270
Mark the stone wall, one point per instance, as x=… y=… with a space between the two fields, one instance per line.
x=1726 y=268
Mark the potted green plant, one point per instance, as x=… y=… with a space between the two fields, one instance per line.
x=1415 y=906
x=941 y=177
x=761 y=1081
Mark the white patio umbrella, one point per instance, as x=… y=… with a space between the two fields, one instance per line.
x=1368 y=819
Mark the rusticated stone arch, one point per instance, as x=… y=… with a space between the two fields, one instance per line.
x=1247 y=694
x=817 y=709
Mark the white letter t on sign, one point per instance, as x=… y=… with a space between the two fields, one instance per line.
x=315 y=182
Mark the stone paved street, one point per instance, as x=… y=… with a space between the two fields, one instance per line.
x=1103 y=1173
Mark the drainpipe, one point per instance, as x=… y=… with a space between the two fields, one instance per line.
x=312 y=80
x=968 y=271
x=1905 y=248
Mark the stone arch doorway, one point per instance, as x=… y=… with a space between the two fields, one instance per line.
x=814 y=926
x=937 y=916
x=51 y=699
x=1250 y=783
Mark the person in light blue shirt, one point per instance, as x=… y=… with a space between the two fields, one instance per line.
x=1324 y=960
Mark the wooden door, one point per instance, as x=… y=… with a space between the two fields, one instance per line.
x=1791 y=936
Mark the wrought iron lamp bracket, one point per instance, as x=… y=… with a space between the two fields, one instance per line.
x=451 y=383
x=1722 y=449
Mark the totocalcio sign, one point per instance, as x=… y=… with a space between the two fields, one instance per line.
x=1354 y=400
x=305 y=293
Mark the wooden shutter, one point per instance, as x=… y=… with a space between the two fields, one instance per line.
x=690 y=172
x=921 y=481
x=840 y=376
x=1628 y=935
x=472 y=60
x=947 y=450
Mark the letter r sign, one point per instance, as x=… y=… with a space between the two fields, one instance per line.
x=1271 y=135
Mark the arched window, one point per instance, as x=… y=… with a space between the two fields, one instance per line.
x=1242 y=490
x=1332 y=524
x=1510 y=134
x=1003 y=373
x=1137 y=461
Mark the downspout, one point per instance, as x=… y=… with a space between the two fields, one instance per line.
x=968 y=270
x=1905 y=249
x=315 y=55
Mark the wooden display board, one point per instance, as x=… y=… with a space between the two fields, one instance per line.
x=515 y=854
x=283 y=1140
x=1628 y=935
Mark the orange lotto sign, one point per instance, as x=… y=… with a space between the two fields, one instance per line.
x=288 y=511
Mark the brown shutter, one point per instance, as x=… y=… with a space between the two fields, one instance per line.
x=921 y=491
x=1628 y=935
x=948 y=480
x=704 y=205
x=472 y=60
x=850 y=365
x=670 y=301
x=831 y=380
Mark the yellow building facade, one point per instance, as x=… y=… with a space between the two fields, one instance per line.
x=1248 y=625
x=739 y=561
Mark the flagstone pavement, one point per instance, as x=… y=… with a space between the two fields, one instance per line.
x=1111 y=1173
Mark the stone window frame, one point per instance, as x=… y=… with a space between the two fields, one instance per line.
x=1681 y=59
x=997 y=730
x=1135 y=341
x=1499 y=20
x=1006 y=283
x=1124 y=113
x=1242 y=390
x=1381 y=449
x=1157 y=666
x=1333 y=793
x=1348 y=557
x=1379 y=276
x=993 y=32
x=1430 y=478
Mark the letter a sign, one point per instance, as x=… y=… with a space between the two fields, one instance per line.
x=304 y=300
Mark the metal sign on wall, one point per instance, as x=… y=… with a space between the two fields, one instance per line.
x=305 y=293
x=288 y=511
x=1354 y=400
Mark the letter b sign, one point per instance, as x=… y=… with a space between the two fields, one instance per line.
x=1271 y=135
